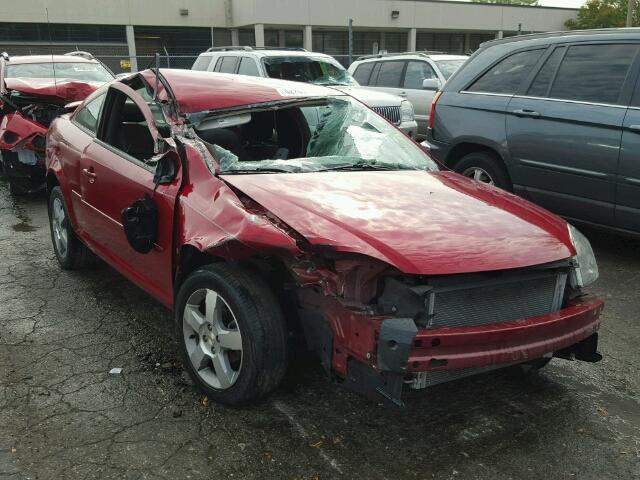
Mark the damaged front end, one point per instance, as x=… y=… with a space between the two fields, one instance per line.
x=383 y=331
x=24 y=121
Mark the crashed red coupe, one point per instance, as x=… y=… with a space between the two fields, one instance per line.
x=262 y=210
x=34 y=90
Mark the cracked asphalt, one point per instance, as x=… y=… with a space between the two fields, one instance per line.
x=63 y=416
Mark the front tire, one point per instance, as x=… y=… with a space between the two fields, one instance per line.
x=484 y=167
x=71 y=253
x=231 y=333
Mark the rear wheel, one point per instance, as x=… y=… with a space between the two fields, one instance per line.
x=71 y=253
x=484 y=167
x=231 y=333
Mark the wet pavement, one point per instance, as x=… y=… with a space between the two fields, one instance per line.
x=64 y=416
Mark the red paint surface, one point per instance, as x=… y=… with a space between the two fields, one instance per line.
x=17 y=131
x=60 y=91
x=419 y=222
x=200 y=91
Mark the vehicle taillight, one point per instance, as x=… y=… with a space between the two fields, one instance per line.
x=432 y=113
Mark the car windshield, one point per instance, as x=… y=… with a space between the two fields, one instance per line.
x=333 y=133
x=448 y=67
x=89 y=72
x=318 y=70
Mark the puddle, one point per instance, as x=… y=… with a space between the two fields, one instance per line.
x=24 y=221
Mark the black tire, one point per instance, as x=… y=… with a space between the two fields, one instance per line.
x=259 y=320
x=488 y=163
x=3 y=176
x=16 y=187
x=76 y=255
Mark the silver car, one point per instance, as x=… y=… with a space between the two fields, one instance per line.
x=415 y=76
x=302 y=66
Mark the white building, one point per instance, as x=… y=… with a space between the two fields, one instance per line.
x=118 y=29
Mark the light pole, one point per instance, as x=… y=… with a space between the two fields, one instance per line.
x=350 y=41
x=630 y=7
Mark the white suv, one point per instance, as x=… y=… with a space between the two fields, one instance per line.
x=413 y=75
x=302 y=66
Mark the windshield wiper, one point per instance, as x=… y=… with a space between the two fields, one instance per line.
x=363 y=167
x=257 y=170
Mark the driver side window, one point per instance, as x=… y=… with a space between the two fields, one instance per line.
x=126 y=129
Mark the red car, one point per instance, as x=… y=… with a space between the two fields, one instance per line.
x=261 y=210
x=34 y=90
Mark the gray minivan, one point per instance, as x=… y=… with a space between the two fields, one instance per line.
x=553 y=117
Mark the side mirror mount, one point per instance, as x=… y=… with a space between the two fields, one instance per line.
x=166 y=168
x=431 y=84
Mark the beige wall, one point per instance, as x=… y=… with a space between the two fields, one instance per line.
x=328 y=13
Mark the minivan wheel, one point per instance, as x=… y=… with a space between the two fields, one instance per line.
x=71 y=253
x=231 y=333
x=484 y=167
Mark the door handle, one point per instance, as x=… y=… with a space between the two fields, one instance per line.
x=521 y=112
x=88 y=172
x=634 y=128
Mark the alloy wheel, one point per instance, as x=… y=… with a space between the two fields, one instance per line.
x=60 y=235
x=478 y=174
x=212 y=338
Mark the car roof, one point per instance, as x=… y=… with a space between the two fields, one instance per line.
x=49 y=59
x=197 y=91
x=275 y=52
x=610 y=33
x=404 y=55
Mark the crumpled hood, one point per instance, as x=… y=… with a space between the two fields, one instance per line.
x=421 y=223
x=371 y=98
x=61 y=89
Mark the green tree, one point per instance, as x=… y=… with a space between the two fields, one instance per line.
x=530 y=3
x=603 y=14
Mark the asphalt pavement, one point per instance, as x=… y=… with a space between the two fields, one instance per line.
x=64 y=416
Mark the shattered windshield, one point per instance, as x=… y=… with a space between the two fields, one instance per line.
x=318 y=70
x=88 y=72
x=335 y=133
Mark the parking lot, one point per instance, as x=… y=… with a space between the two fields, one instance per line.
x=64 y=416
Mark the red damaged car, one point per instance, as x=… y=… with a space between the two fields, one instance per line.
x=261 y=210
x=34 y=90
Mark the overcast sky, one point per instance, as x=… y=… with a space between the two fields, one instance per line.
x=562 y=3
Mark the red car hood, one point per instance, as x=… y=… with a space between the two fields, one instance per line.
x=61 y=89
x=419 y=222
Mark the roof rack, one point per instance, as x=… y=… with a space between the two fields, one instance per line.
x=387 y=54
x=248 y=48
x=80 y=53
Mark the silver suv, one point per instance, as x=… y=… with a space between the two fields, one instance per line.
x=302 y=66
x=415 y=76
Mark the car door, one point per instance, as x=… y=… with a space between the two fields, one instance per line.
x=628 y=177
x=415 y=73
x=563 y=130
x=118 y=168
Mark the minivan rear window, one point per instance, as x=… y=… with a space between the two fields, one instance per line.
x=363 y=72
x=507 y=75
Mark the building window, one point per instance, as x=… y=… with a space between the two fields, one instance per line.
x=440 y=42
x=395 y=42
x=247 y=37
x=477 y=38
x=293 y=38
x=271 y=38
x=61 y=32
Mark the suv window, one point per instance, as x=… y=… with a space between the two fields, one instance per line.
x=88 y=115
x=593 y=73
x=416 y=73
x=248 y=67
x=390 y=74
x=507 y=75
x=363 y=72
x=542 y=82
x=202 y=63
x=227 y=64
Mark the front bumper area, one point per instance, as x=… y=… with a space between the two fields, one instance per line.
x=419 y=358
